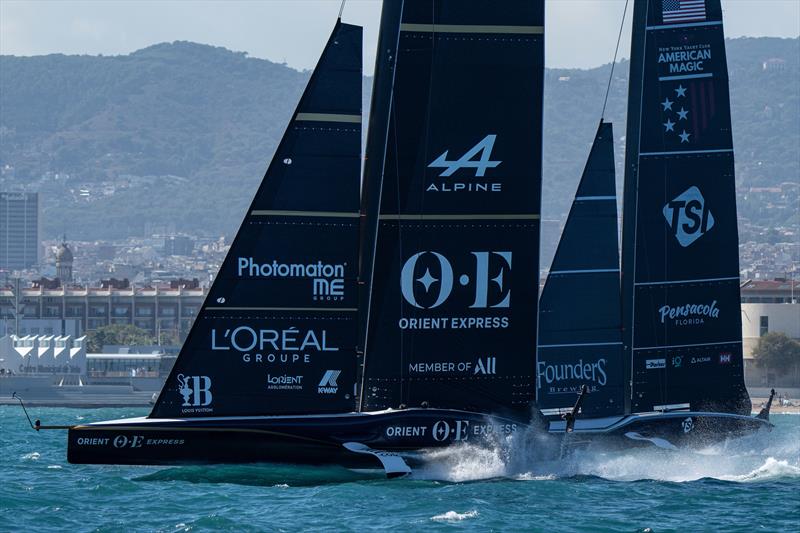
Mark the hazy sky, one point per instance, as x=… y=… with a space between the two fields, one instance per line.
x=580 y=33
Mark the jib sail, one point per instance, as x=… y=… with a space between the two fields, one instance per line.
x=681 y=303
x=277 y=332
x=580 y=321
x=452 y=316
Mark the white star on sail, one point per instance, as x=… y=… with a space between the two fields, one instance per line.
x=667 y=104
x=681 y=90
x=682 y=114
x=684 y=136
x=427 y=280
x=669 y=125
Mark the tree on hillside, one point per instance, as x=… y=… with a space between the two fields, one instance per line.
x=777 y=351
x=124 y=334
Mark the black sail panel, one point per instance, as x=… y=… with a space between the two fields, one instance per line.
x=681 y=259
x=277 y=333
x=452 y=318
x=580 y=321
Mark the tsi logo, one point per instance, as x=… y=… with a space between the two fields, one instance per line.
x=688 y=216
x=196 y=390
x=484 y=148
x=328 y=385
x=416 y=273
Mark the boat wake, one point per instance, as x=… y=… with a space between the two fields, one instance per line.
x=528 y=457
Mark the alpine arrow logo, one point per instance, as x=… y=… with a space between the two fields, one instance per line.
x=484 y=148
x=328 y=385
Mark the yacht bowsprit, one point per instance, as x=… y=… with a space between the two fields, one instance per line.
x=358 y=324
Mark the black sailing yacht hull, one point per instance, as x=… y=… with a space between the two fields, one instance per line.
x=310 y=439
x=328 y=439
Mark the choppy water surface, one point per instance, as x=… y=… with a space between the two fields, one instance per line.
x=749 y=485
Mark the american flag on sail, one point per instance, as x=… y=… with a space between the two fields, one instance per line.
x=677 y=11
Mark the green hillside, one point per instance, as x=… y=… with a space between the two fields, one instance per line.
x=180 y=134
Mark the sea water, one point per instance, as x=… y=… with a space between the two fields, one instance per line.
x=752 y=484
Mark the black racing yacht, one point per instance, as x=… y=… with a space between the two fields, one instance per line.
x=341 y=334
x=359 y=322
x=662 y=357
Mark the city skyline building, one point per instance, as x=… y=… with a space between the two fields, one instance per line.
x=19 y=230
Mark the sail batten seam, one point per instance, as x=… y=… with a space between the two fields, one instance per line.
x=470 y=28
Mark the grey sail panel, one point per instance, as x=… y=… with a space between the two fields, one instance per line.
x=452 y=317
x=277 y=333
x=680 y=246
x=580 y=321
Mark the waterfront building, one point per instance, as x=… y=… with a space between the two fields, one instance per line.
x=769 y=305
x=163 y=311
x=19 y=230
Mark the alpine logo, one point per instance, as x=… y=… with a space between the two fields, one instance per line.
x=654 y=364
x=688 y=216
x=328 y=385
x=468 y=160
x=195 y=390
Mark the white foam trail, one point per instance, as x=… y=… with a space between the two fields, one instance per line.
x=527 y=457
x=33 y=456
x=452 y=516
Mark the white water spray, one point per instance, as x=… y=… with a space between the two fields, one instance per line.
x=527 y=456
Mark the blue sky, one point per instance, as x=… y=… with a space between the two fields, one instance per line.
x=580 y=33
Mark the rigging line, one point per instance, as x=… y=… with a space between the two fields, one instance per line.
x=614 y=62
x=341 y=9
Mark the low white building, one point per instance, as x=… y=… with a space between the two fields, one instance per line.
x=769 y=306
x=45 y=354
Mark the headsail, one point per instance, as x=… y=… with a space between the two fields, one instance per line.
x=580 y=335
x=681 y=303
x=277 y=333
x=452 y=317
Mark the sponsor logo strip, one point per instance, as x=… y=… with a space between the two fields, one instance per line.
x=470 y=28
x=329 y=214
x=327 y=117
x=501 y=216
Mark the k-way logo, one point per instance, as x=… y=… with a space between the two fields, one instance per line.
x=431 y=291
x=327 y=280
x=328 y=385
x=196 y=392
x=688 y=216
x=484 y=148
x=689 y=314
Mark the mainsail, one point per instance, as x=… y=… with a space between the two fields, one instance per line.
x=680 y=283
x=453 y=301
x=277 y=333
x=580 y=335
